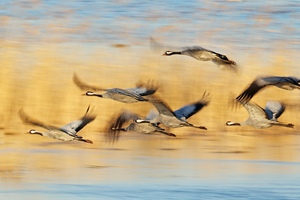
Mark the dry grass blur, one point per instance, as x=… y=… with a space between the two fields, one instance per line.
x=45 y=89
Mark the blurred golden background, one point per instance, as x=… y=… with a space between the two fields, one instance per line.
x=46 y=91
x=107 y=44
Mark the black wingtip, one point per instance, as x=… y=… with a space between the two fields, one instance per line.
x=244 y=98
x=87 y=110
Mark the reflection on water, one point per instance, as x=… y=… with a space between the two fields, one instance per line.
x=147 y=167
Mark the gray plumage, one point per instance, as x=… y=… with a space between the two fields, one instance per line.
x=196 y=52
x=283 y=82
x=130 y=95
x=203 y=54
x=65 y=133
x=136 y=124
x=260 y=118
x=177 y=118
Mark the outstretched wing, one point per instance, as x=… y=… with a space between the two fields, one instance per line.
x=191 y=109
x=274 y=109
x=144 y=89
x=255 y=86
x=151 y=114
x=161 y=106
x=121 y=119
x=255 y=111
x=261 y=82
x=76 y=126
x=84 y=86
x=287 y=83
x=116 y=124
x=156 y=46
x=28 y=120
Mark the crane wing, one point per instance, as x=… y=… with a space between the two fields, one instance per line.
x=116 y=122
x=162 y=107
x=255 y=111
x=84 y=86
x=287 y=83
x=191 y=109
x=28 y=120
x=274 y=109
x=151 y=115
x=144 y=89
x=76 y=126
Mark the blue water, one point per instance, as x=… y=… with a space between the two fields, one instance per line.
x=245 y=24
x=162 y=191
x=141 y=172
x=268 y=180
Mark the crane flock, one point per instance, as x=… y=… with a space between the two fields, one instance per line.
x=163 y=115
